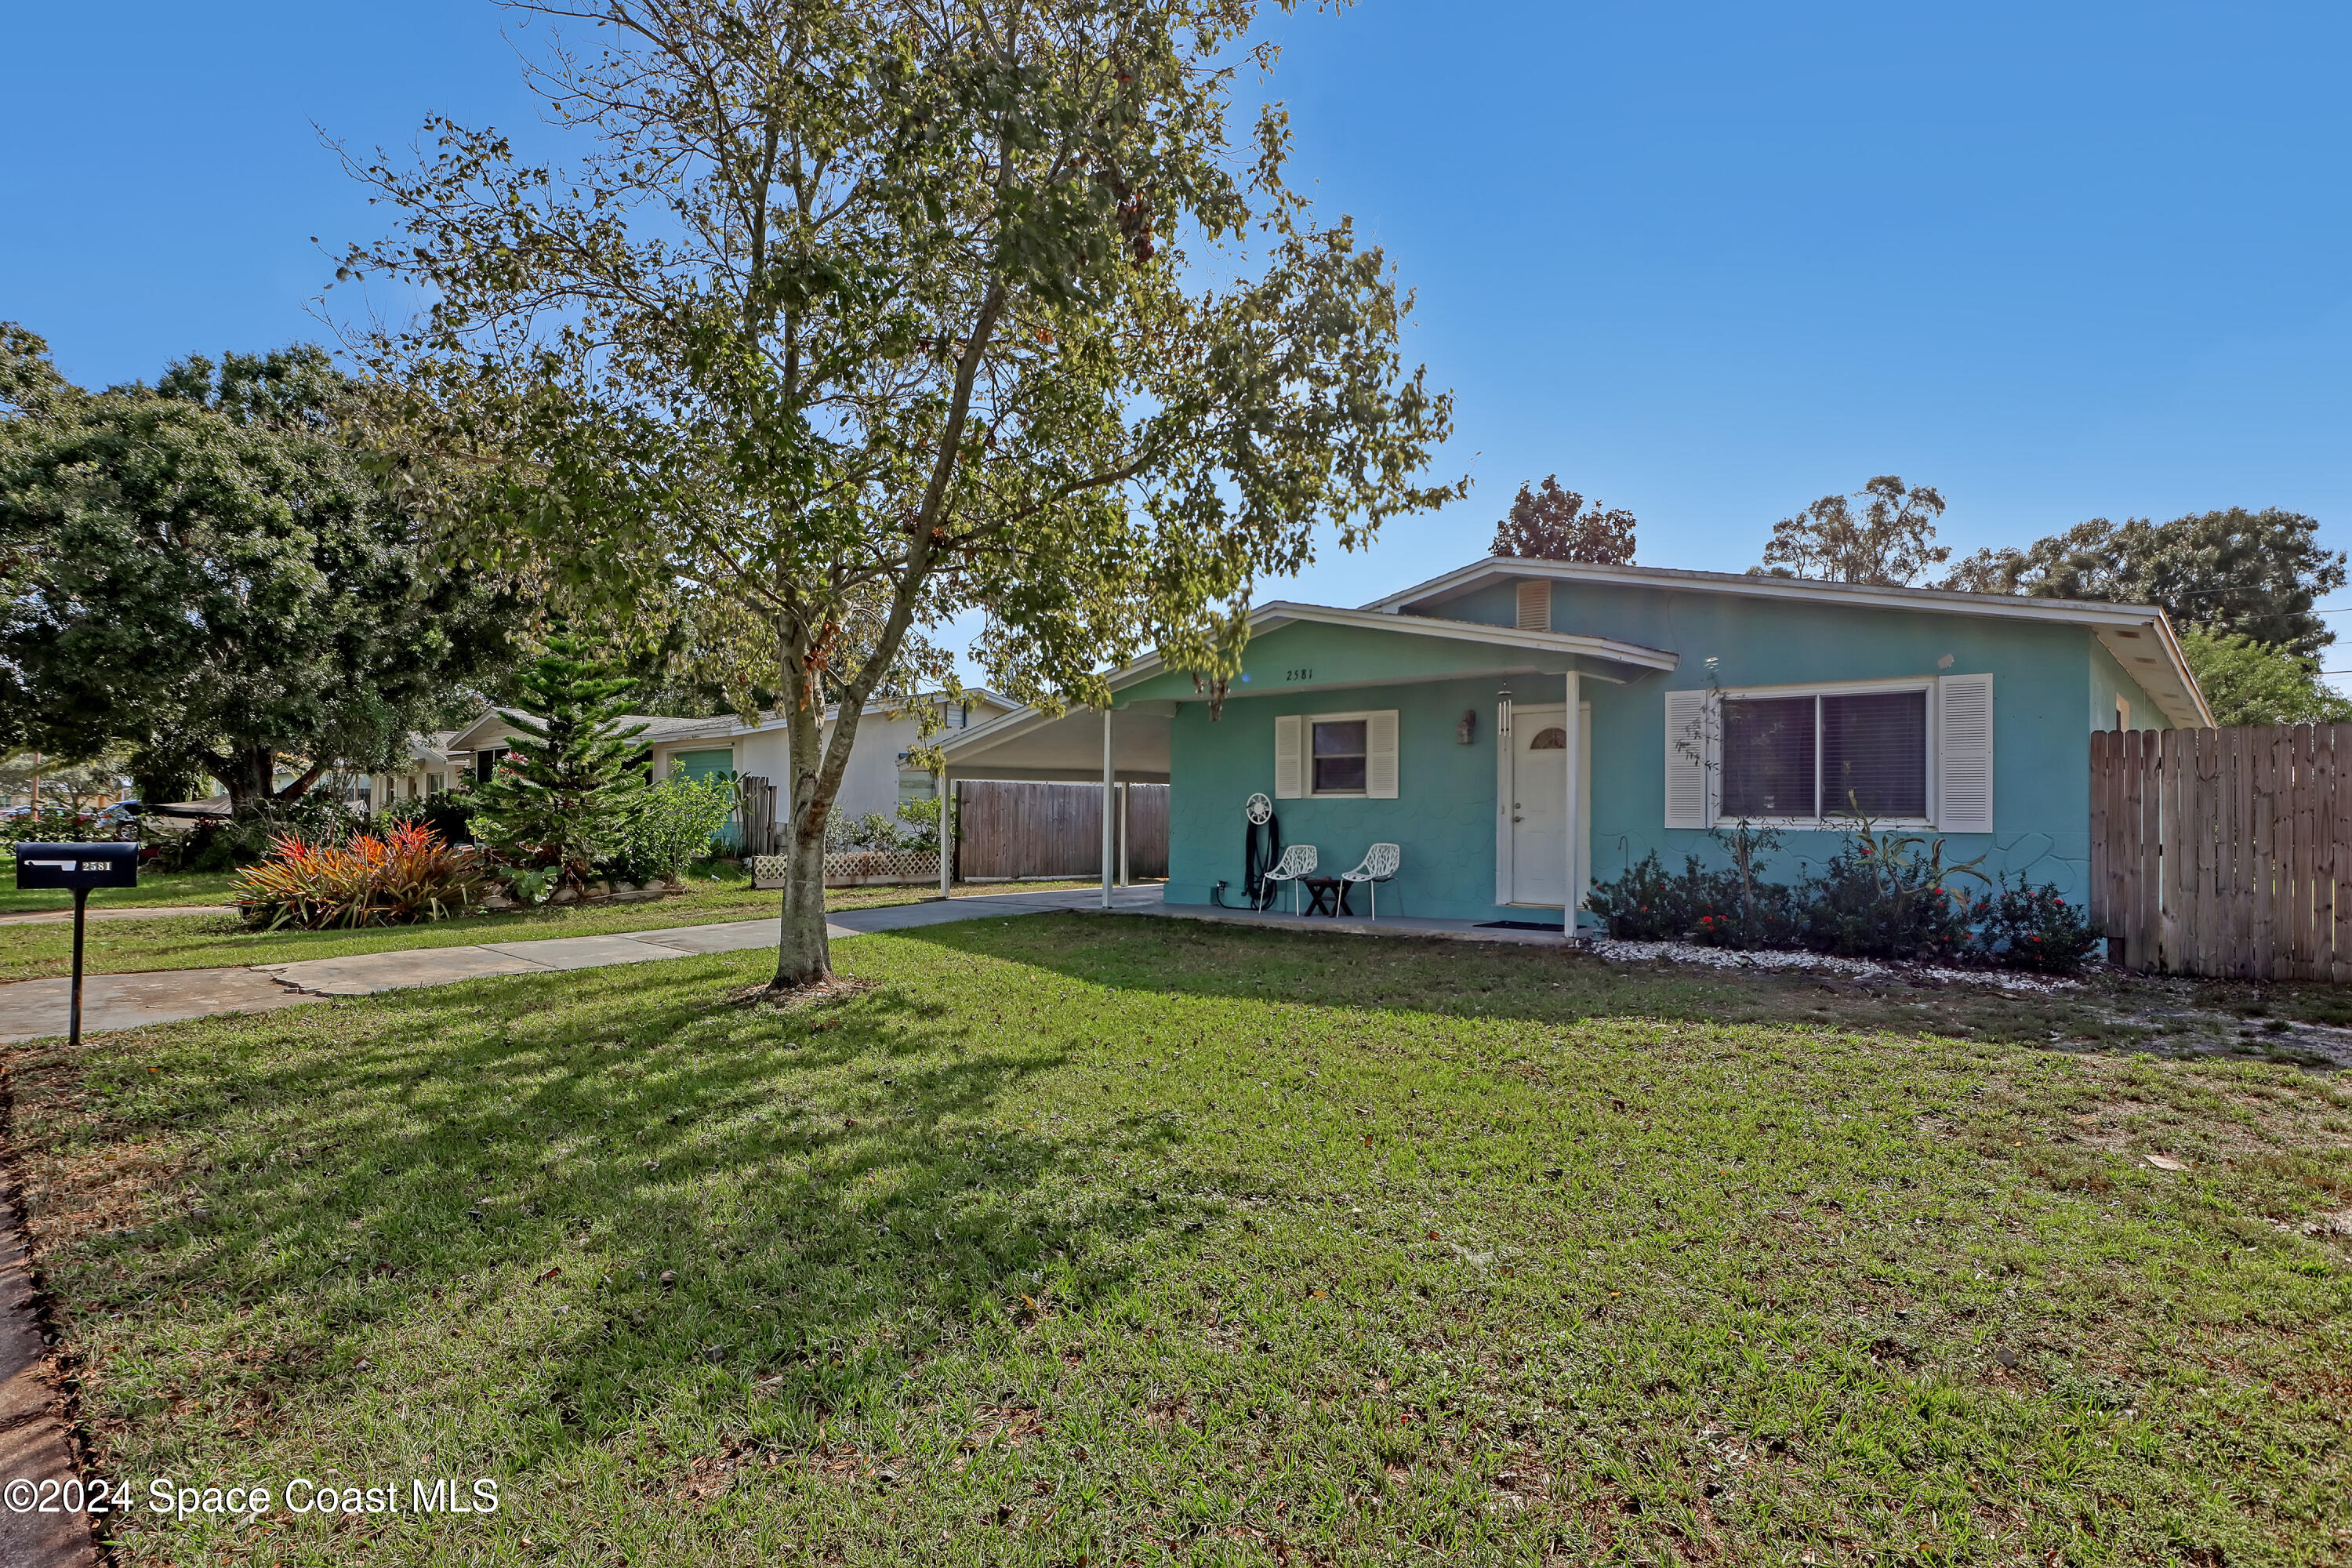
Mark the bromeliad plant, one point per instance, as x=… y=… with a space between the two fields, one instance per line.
x=404 y=875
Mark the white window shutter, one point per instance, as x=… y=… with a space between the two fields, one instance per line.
x=1289 y=757
x=1964 y=754
x=1380 y=755
x=1534 y=605
x=1686 y=759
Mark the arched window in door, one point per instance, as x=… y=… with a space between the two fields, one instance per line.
x=1552 y=740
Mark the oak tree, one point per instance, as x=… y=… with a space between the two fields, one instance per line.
x=2258 y=575
x=1555 y=524
x=203 y=574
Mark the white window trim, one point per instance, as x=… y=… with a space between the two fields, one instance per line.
x=1716 y=725
x=1307 y=756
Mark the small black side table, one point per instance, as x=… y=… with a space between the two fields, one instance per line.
x=1327 y=896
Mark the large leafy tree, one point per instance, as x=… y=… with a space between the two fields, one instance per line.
x=202 y=572
x=2258 y=575
x=1886 y=543
x=1555 y=524
x=2250 y=682
x=860 y=314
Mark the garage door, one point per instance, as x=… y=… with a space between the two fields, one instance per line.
x=719 y=763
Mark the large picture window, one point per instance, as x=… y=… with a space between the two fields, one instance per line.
x=1824 y=756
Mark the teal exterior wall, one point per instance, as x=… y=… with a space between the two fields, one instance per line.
x=2052 y=684
x=2109 y=681
x=1443 y=816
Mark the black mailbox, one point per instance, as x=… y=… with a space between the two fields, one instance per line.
x=77 y=866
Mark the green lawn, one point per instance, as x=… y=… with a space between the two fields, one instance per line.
x=1076 y=1239
x=204 y=942
x=187 y=887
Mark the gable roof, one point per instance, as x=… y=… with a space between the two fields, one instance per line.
x=1283 y=612
x=2140 y=636
x=492 y=726
x=1151 y=760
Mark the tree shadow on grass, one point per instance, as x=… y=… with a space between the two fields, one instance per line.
x=1541 y=984
x=631 y=1202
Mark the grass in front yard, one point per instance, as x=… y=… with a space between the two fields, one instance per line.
x=1119 y=1240
x=181 y=888
x=203 y=941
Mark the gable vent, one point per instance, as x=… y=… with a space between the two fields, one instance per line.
x=1535 y=606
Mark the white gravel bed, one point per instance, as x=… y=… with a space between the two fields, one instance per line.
x=1617 y=951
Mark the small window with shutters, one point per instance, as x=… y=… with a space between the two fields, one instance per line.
x=1335 y=754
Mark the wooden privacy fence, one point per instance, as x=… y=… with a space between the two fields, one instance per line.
x=1006 y=828
x=2225 y=852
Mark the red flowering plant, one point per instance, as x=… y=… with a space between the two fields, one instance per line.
x=1884 y=896
x=406 y=874
x=2025 y=927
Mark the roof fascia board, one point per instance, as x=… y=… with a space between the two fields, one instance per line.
x=1270 y=617
x=2095 y=614
x=1281 y=613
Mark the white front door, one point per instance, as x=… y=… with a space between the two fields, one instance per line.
x=1539 y=747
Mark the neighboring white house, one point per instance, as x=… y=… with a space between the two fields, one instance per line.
x=877 y=780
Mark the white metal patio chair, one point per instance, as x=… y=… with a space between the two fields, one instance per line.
x=1381 y=862
x=1298 y=861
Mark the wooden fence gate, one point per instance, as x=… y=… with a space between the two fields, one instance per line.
x=2225 y=852
x=1007 y=829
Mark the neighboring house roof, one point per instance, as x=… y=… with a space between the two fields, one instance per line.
x=2139 y=635
x=492 y=727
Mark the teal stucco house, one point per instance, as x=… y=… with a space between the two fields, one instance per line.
x=1521 y=729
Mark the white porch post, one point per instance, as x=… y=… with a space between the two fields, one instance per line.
x=1124 y=877
x=947 y=837
x=1110 y=822
x=1575 y=758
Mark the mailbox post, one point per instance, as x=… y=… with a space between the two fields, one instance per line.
x=79 y=866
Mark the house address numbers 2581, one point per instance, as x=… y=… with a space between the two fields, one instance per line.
x=1302 y=673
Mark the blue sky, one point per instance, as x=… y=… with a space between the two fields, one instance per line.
x=1704 y=261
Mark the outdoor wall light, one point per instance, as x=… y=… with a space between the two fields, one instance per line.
x=1467 y=730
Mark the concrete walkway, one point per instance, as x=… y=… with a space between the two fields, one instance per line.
x=36 y=1010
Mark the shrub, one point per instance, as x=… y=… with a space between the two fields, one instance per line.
x=921 y=818
x=871 y=831
x=245 y=837
x=1882 y=896
x=1645 y=904
x=672 y=824
x=1763 y=915
x=47 y=824
x=449 y=813
x=2024 y=927
x=404 y=875
x=1695 y=904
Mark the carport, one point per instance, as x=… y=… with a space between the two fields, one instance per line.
x=1123 y=744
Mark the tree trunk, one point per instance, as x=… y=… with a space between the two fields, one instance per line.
x=803 y=956
x=300 y=787
x=247 y=773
